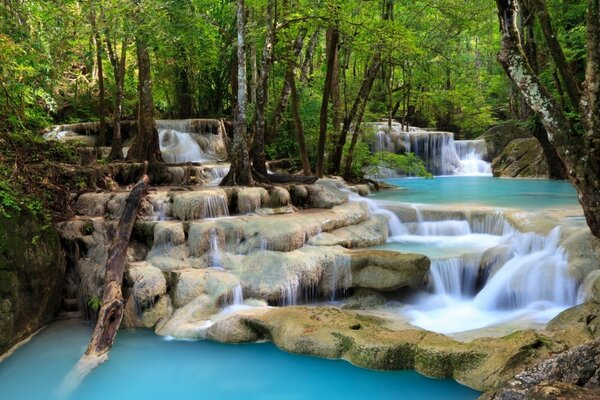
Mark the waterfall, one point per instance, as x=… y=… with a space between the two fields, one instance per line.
x=179 y=147
x=484 y=271
x=237 y=296
x=215 y=206
x=217 y=173
x=441 y=154
x=215 y=251
x=395 y=226
x=191 y=140
x=263 y=245
x=289 y=292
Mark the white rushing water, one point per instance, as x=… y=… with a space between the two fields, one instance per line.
x=441 y=154
x=484 y=272
x=180 y=147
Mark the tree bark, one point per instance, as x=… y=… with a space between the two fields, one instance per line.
x=291 y=79
x=240 y=172
x=333 y=33
x=361 y=97
x=145 y=145
x=101 y=141
x=259 y=160
x=580 y=152
x=285 y=91
x=111 y=310
x=119 y=65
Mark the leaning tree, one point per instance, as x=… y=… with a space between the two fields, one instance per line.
x=575 y=135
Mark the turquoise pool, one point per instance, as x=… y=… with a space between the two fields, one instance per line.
x=143 y=366
x=527 y=194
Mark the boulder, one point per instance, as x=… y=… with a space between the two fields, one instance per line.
x=372 y=232
x=189 y=206
x=568 y=371
x=190 y=283
x=522 y=158
x=249 y=200
x=576 y=325
x=387 y=271
x=499 y=136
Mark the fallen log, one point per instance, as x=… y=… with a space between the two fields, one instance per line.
x=111 y=310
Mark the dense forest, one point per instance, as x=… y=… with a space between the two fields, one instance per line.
x=301 y=79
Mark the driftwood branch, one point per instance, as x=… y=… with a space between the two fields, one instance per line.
x=111 y=310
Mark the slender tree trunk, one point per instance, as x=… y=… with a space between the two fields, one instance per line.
x=285 y=91
x=291 y=79
x=101 y=141
x=183 y=95
x=361 y=97
x=333 y=34
x=306 y=69
x=259 y=160
x=119 y=65
x=335 y=102
x=355 y=134
x=240 y=172
x=145 y=145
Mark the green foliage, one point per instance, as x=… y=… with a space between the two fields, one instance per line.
x=8 y=200
x=94 y=304
x=407 y=164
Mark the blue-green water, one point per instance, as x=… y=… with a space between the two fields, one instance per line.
x=527 y=194
x=143 y=366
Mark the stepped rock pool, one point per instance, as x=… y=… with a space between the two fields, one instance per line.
x=526 y=194
x=145 y=366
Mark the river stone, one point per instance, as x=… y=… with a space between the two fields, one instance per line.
x=576 y=325
x=372 y=232
x=522 y=158
x=579 y=366
x=190 y=283
x=147 y=282
x=367 y=341
x=388 y=271
x=499 y=136
x=279 y=197
x=326 y=193
x=363 y=299
x=250 y=199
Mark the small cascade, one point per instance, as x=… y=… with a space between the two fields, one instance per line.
x=237 y=296
x=289 y=292
x=263 y=245
x=485 y=271
x=217 y=173
x=192 y=140
x=215 y=250
x=161 y=207
x=456 y=276
x=179 y=147
x=441 y=154
x=339 y=281
x=395 y=226
x=215 y=206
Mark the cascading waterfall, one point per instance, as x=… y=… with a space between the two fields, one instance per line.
x=217 y=173
x=215 y=250
x=237 y=296
x=439 y=151
x=484 y=272
x=215 y=206
x=395 y=226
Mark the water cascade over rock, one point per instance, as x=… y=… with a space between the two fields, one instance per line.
x=192 y=140
x=439 y=151
x=485 y=272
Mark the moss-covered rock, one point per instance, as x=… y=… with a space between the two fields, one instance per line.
x=499 y=136
x=522 y=158
x=32 y=269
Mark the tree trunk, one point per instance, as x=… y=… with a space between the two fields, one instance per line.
x=359 y=118
x=259 y=160
x=101 y=141
x=285 y=91
x=306 y=69
x=580 y=152
x=145 y=145
x=291 y=79
x=118 y=64
x=333 y=34
x=240 y=172
x=183 y=95
x=111 y=310
x=335 y=101
x=361 y=97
